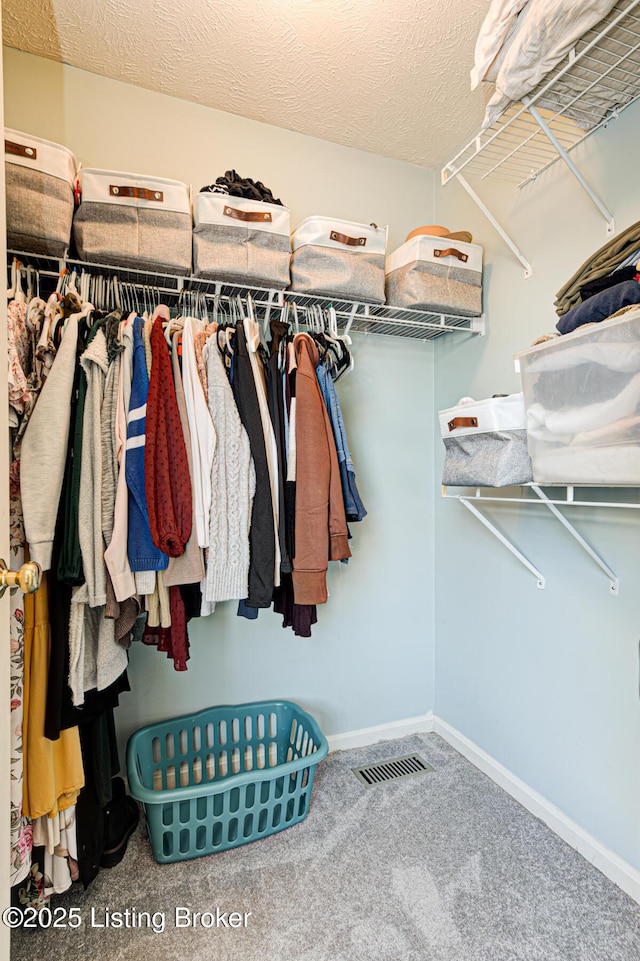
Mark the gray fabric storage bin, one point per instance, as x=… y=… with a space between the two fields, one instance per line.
x=40 y=179
x=241 y=241
x=337 y=258
x=486 y=443
x=437 y=274
x=135 y=221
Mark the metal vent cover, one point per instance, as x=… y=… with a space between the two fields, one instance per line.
x=411 y=765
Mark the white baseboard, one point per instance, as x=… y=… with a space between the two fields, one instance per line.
x=423 y=724
x=602 y=857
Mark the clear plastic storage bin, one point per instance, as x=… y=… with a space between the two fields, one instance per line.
x=582 y=398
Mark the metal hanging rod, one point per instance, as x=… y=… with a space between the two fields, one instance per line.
x=352 y=316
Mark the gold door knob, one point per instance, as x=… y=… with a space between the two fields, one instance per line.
x=27 y=579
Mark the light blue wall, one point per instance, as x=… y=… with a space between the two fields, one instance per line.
x=544 y=681
x=370 y=659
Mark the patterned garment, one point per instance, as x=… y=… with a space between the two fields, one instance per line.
x=25 y=382
x=18 y=344
x=21 y=833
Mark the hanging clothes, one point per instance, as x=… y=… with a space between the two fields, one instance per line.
x=262 y=531
x=44 y=449
x=21 y=833
x=53 y=772
x=233 y=485
x=203 y=437
x=252 y=336
x=116 y=555
x=188 y=568
x=45 y=776
x=96 y=660
x=276 y=399
x=167 y=479
x=354 y=508
x=144 y=557
x=319 y=504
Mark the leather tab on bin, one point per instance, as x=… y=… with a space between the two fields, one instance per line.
x=20 y=150
x=250 y=216
x=451 y=252
x=348 y=241
x=462 y=422
x=138 y=193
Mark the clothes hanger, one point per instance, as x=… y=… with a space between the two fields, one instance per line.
x=31 y=272
x=19 y=294
x=11 y=291
x=251 y=327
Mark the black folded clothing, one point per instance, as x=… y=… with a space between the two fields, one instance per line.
x=236 y=186
x=611 y=280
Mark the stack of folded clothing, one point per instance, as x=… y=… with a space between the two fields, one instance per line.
x=606 y=283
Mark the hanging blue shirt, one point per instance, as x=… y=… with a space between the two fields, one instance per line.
x=143 y=554
x=354 y=508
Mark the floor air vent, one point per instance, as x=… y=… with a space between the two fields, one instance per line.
x=410 y=766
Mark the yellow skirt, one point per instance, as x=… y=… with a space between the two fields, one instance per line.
x=53 y=771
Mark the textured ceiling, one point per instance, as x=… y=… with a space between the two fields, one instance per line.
x=388 y=76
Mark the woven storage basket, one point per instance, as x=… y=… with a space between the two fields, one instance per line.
x=40 y=178
x=241 y=241
x=486 y=443
x=224 y=777
x=133 y=220
x=437 y=274
x=339 y=259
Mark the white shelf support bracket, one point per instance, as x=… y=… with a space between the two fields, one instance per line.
x=608 y=216
x=492 y=220
x=613 y=580
x=504 y=540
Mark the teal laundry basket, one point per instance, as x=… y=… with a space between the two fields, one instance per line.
x=225 y=776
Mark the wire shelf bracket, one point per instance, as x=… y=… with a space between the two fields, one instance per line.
x=588 y=89
x=552 y=504
x=471 y=507
x=528 y=270
x=586 y=186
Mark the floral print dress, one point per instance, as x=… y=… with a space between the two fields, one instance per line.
x=25 y=382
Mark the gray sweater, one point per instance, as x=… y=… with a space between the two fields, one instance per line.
x=44 y=450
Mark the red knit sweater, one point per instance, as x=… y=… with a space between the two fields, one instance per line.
x=167 y=481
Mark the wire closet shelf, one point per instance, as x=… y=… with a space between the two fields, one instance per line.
x=598 y=79
x=351 y=315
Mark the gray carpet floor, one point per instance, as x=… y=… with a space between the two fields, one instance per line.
x=442 y=867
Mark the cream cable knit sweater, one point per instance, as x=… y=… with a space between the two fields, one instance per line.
x=203 y=435
x=233 y=484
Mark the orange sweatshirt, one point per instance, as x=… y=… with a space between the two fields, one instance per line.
x=320 y=522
